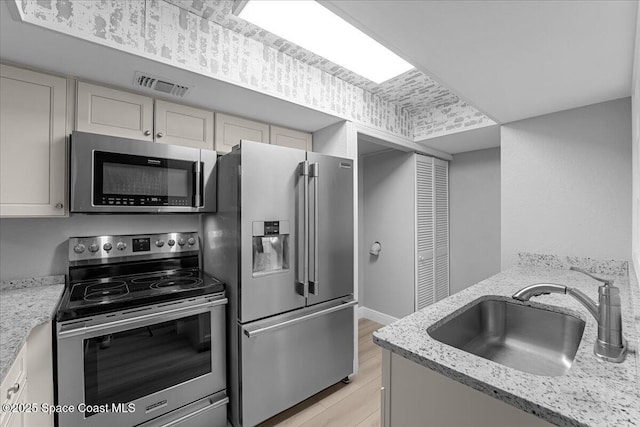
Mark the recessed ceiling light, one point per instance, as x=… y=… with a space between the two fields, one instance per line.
x=313 y=27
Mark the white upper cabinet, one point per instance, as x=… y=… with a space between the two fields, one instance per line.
x=290 y=138
x=231 y=129
x=114 y=112
x=182 y=125
x=33 y=111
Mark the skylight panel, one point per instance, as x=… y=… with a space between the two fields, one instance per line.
x=313 y=27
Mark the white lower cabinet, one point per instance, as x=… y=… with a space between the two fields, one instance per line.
x=12 y=391
x=29 y=381
x=413 y=395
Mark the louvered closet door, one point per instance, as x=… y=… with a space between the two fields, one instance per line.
x=425 y=294
x=441 y=192
x=432 y=230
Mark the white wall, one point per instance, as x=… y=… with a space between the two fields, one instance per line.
x=474 y=217
x=566 y=183
x=636 y=150
x=388 y=200
x=36 y=247
x=362 y=251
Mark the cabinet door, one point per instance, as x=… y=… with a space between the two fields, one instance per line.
x=290 y=138
x=32 y=143
x=114 y=112
x=39 y=368
x=181 y=125
x=12 y=390
x=230 y=130
x=19 y=419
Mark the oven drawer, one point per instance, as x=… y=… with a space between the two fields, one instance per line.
x=208 y=412
x=285 y=362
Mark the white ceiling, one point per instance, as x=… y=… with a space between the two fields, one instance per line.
x=369 y=145
x=471 y=140
x=51 y=51
x=412 y=90
x=510 y=59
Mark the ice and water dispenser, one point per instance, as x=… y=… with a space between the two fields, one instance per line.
x=270 y=247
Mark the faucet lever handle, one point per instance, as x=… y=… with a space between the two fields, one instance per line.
x=599 y=279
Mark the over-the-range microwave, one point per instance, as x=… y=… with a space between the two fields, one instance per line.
x=119 y=175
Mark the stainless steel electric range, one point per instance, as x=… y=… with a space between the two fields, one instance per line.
x=140 y=334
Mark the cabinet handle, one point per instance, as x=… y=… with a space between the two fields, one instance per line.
x=159 y=134
x=12 y=390
x=383 y=401
x=147 y=132
x=59 y=205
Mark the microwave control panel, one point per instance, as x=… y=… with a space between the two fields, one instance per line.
x=120 y=200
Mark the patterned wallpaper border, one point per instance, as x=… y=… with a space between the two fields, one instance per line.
x=435 y=109
x=164 y=31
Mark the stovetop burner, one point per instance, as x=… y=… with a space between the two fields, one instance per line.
x=153 y=278
x=104 y=292
x=114 y=273
x=177 y=283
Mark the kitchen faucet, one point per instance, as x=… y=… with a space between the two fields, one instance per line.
x=610 y=345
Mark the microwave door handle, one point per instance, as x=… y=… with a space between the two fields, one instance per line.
x=314 y=281
x=302 y=244
x=197 y=197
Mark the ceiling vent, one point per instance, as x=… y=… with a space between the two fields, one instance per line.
x=160 y=84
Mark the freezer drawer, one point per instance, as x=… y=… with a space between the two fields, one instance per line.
x=293 y=357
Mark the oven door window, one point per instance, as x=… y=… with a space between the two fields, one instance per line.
x=130 y=180
x=128 y=365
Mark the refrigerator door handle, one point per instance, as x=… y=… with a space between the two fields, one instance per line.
x=314 y=280
x=302 y=241
x=264 y=330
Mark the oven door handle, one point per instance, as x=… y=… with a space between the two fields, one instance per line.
x=68 y=331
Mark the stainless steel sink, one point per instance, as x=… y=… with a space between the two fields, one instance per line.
x=529 y=339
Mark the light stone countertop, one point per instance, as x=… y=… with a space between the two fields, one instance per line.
x=592 y=393
x=25 y=304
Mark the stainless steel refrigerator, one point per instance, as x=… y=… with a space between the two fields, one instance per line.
x=282 y=240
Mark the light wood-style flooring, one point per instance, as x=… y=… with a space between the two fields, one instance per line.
x=344 y=405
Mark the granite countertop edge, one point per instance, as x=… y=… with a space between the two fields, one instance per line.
x=408 y=338
x=24 y=305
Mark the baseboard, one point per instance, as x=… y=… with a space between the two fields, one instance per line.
x=376 y=316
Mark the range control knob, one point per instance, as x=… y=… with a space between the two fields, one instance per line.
x=79 y=248
x=171 y=242
x=181 y=241
x=121 y=246
x=107 y=246
x=93 y=248
x=191 y=241
x=159 y=243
